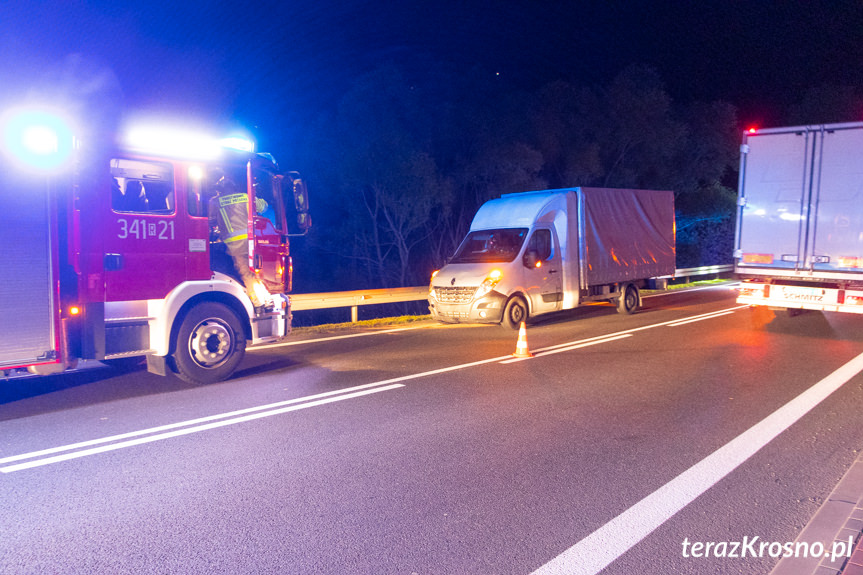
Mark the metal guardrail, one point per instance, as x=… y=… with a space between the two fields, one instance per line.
x=702 y=271
x=356 y=298
x=353 y=299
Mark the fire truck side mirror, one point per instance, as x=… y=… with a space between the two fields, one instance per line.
x=301 y=202
x=304 y=221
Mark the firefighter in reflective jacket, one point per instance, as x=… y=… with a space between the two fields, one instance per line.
x=229 y=214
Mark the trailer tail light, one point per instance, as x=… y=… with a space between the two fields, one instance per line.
x=757 y=258
x=853 y=299
x=74 y=310
x=850 y=262
x=754 y=290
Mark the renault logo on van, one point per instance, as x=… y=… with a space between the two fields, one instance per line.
x=452 y=282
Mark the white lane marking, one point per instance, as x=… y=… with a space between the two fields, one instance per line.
x=620 y=334
x=188 y=430
x=274 y=409
x=644 y=327
x=186 y=423
x=596 y=551
x=543 y=351
x=569 y=348
x=332 y=338
x=729 y=285
x=398 y=329
x=686 y=321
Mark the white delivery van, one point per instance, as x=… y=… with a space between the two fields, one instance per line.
x=532 y=253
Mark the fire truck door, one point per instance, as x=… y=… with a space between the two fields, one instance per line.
x=144 y=239
x=270 y=249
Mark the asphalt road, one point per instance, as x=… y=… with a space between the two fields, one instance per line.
x=622 y=444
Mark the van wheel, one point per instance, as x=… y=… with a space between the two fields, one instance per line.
x=627 y=303
x=210 y=344
x=515 y=312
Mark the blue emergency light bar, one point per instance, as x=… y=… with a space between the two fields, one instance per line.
x=182 y=143
x=37 y=139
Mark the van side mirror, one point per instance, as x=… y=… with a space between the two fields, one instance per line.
x=531 y=257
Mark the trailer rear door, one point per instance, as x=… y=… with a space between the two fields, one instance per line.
x=837 y=203
x=775 y=172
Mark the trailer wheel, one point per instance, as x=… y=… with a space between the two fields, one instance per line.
x=515 y=312
x=210 y=344
x=627 y=303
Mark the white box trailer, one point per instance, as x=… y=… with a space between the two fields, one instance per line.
x=532 y=253
x=799 y=238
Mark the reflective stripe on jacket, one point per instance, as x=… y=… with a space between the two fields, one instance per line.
x=234 y=217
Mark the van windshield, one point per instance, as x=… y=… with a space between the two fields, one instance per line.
x=490 y=246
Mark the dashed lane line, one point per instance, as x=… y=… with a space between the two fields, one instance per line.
x=101 y=445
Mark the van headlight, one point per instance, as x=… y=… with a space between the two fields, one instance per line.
x=491 y=280
x=431 y=285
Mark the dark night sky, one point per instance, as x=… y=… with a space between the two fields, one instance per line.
x=217 y=61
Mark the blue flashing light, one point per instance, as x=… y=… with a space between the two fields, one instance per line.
x=160 y=138
x=238 y=143
x=37 y=139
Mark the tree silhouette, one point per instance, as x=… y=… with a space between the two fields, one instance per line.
x=404 y=164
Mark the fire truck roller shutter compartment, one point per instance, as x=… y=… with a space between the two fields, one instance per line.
x=27 y=330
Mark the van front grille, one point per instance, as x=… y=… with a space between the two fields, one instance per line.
x=454 y=294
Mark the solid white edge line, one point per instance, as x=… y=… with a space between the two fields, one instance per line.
x=309 y=398
x=642 y=328
x=596 y=551
x=684 y=322
x=189 y=430
x=332 y=338
x=570 y=348
x=565 y=347
x=728 y=285
x=186 y=423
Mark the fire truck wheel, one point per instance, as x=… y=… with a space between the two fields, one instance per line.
x=627 y=303
x=210 y=344
x=515 y=312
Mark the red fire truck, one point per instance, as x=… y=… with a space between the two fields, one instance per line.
x=109 y=254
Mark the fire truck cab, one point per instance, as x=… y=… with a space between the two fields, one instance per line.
x=112 y=252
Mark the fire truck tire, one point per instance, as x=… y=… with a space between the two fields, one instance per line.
x=210 y=344
x=627 y=303
x=515 y=312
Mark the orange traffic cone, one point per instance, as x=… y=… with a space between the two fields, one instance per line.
x=521 y=349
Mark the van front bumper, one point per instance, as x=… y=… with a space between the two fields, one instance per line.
x=487 y=309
